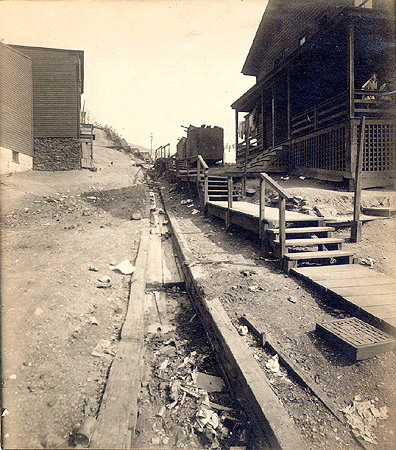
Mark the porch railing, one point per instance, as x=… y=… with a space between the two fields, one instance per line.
x=372 y=104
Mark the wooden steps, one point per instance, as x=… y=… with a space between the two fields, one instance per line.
x=291 y=260
x=305 y=230
x=303 y=233
x=311 y=241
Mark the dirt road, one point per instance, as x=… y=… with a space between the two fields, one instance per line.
x=61 y=233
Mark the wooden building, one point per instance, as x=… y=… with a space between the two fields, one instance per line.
x=58 y=82
x=16 y=111
x=311 y=59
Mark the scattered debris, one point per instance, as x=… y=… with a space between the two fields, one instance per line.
x=273 y=364
x=125 y=267
x=243 y=330
x=362 y=416
x=136 y=216
x=209 y=383
x=368 y=262
x=84 y=434
x=101 y=348
x=93 y=269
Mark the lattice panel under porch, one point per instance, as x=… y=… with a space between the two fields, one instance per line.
x=380 y=148
x=325 y=150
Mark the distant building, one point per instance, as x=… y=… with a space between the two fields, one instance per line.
x=16 y=111
x=58 y=82
x=311 y=59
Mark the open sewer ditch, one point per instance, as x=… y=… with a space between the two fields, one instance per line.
x=183 y=401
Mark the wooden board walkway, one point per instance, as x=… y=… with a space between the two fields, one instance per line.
x=251 y=209
x=370 y=292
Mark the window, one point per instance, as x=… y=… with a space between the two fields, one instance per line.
x=15 y=157
x=364 y=3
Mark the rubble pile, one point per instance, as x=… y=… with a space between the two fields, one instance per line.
x=183 y=402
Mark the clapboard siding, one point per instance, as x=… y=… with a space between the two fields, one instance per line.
x=285 y=22
x=16 y=101
x=57 y=89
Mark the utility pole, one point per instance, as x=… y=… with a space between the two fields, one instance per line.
x=151 y=147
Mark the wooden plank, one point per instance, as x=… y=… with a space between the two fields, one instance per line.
x=336 y=271
x=154 y=263
x=353 y=282
x=371 y=300
x=317 y=255
x=170 y=272
x=383 y=312
x=132 y=328
x=365 y=290
x=264 y=405
x=304 y=377
x=116 y=421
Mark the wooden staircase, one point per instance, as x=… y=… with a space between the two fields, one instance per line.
x=264 y=159
x=218 y=189
x=308 y=241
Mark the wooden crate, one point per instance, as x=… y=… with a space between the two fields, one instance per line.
x=355 y=338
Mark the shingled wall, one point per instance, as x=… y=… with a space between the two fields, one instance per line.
x=57 y=154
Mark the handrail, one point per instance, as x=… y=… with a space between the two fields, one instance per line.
x=275 y=186
x=283 y=196
x=202 y=161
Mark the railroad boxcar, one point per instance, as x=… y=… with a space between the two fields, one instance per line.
x=206 y=141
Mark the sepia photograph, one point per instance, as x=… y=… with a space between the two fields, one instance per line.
x=198 y=224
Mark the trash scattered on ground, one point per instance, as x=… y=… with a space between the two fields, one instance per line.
x=136 y=216
x=194 y=211
x=292 y=299
x=362 y=416
x=104 y=282
x=243 y=330
x=84 y=435
x=104 y=279
x=93 y=269
x=13 y=377
x=101 y=348
x=125 y=267
x=368 y=262
x=273 y=364
x=248 y=273
x=207 y=382
x=254 y=288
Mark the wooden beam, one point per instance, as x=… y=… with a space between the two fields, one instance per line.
x=356 y=225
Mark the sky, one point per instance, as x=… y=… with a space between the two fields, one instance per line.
x=150 y=66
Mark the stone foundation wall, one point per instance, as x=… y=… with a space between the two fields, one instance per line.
x=57 y=154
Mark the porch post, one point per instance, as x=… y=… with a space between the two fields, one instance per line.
x=356 y=225
x=351 y=72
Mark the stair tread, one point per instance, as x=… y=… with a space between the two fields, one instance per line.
x=311 y=241
x=302 y=230
x=317 y=255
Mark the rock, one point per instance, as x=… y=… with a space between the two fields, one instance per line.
x=136 y=216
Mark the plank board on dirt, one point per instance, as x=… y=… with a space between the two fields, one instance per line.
x=154 y=263
x=116 y=421
x=170 y=271
x=263 y=402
